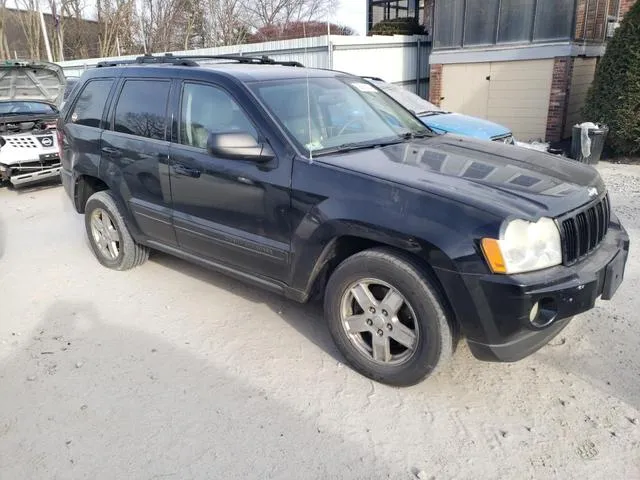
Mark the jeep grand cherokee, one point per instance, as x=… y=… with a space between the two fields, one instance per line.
x=315 y=183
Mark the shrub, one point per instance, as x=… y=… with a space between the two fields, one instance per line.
x=614 y=97
x=398 y=26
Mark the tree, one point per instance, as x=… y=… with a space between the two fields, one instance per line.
x=30 y=23
x=4 y=46
x=297 y=30
x=614 y=97
x=282 y=12
x=227 y=22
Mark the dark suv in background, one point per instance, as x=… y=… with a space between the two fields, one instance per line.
x=313 y=183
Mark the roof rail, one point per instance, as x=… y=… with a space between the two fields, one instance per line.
x=375 y=79
x=189 y=60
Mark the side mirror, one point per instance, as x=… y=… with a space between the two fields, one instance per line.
x=238 y=146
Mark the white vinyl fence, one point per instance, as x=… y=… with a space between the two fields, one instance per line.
x=399 y=59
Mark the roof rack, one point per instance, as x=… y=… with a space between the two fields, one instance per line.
x=189 y=60
x=375 y=79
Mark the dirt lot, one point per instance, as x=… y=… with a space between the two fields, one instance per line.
x=173 y=372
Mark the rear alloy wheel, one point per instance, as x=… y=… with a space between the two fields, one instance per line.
x=105 y=234
x=112 y=244
x=386 y=318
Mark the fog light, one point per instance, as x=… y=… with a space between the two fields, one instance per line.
x=534 y=312
x=543 y=313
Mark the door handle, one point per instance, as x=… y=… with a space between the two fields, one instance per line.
x=180 y=169
x=111 y=152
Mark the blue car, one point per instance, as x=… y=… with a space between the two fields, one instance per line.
x=442 y=121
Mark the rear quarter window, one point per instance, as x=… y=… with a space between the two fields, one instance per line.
x=89 y=107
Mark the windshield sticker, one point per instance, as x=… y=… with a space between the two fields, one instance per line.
x=364 y=87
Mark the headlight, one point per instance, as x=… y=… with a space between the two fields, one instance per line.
x=524 y=247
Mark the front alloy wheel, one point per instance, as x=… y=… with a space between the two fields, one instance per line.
x=379 y=322
x=387 y=318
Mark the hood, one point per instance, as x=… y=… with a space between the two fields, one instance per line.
x=25 y=80
x=464 y=125
x=501 y=179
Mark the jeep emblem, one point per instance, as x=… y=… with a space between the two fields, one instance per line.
x=593 y=192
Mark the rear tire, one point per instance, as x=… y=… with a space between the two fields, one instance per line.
x=386 y=318
x=110 y=240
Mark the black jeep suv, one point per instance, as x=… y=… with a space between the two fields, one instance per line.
x=314 y=183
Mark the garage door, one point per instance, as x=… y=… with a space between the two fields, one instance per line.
x=514 y=94
x=465 y=88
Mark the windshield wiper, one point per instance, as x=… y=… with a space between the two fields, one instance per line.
x=350 y=147
x=429 y=113
x=413 y=135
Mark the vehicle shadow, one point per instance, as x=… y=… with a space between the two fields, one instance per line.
x=86 y=398
x=307 y=318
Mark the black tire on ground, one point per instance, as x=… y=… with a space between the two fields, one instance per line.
x=130 y=253
x=436 y=340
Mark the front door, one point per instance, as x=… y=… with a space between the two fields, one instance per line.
x=227 y=210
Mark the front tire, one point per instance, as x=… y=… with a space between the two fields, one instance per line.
x=386 y=318
x=110 y=240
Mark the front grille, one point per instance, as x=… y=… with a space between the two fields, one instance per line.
x=582 y=231
x=21 y=142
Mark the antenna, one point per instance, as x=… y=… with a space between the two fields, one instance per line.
x=304 y=34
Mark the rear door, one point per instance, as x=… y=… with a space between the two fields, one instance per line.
x=135 y=154
x=82 y=128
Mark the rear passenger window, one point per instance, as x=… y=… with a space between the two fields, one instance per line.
x=90 y=105
x=142 y=108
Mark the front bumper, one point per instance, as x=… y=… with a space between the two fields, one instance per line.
x=26 y=172
x=495 y=313
x=34 y=177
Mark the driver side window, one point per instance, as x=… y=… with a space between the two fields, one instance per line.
x=205 y=110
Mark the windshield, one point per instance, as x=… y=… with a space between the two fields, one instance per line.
x=26 y=108
x=325 y=114
x=407 y=99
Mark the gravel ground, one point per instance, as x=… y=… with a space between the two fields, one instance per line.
x=173 y=372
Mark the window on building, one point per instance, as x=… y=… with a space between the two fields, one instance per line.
x=449 y=19
x=487 y=22
x=480 y=22
x=142 y=108
x=90 y=105
x=380 y=10
x=554 y=20
x=516 y=21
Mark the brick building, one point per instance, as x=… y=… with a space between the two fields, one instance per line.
x=526 y=64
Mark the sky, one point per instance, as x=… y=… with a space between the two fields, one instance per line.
x=352 y=13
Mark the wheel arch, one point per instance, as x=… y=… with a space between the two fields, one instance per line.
x=86 y=185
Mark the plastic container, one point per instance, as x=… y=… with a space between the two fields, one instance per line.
x=587 y=142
